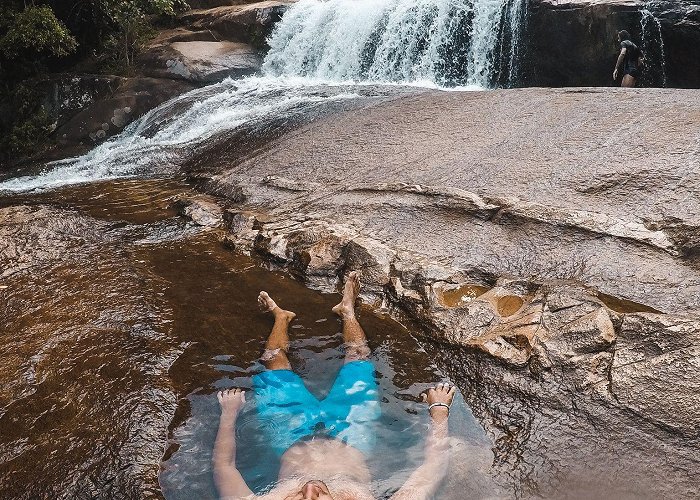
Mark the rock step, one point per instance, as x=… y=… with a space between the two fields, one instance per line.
x=108 y=115
x=250 y=22
x=200 y=61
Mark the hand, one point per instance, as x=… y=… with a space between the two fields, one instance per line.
x=615 y=73
x=231 y=401
x=442 y=393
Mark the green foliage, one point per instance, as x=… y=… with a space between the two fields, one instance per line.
x=30 y=125
x=131 y=23
x=35 y=32
x=38 y=35
x=26 y=135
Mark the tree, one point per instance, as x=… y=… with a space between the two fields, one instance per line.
x=33 y=33
x=131 y=22
x=41 y=35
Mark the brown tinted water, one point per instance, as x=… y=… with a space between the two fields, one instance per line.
x=461 y=295
x=119 y=321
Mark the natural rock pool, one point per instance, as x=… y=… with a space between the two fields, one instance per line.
x=119 y=322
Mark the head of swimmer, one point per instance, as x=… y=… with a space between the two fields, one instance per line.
x=622 y=36
x=313 y=490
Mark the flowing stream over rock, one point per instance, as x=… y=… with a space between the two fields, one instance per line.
x=323 y=55
x=654 y=51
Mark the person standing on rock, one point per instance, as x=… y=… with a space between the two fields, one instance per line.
x=323 y=445
x=630 y=60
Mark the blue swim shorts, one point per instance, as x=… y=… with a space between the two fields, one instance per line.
x=288 y=412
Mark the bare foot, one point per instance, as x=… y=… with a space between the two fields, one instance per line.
x=442 y=393
x=268 y=305
x=346 y=308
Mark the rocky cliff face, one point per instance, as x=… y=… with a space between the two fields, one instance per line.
x=680 y=24
x=573 y=42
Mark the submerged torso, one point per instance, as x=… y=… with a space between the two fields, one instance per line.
x=341 y=467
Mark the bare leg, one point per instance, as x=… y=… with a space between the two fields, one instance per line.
x=275 y=356
x=353 y=335
x=629 y=81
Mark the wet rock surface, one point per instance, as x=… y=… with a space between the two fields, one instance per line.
x=247 y=22
x=521 y=246
x=532 y=183
x=118 y=321
x=199 y=56
x=202 y=61
x=108 y=116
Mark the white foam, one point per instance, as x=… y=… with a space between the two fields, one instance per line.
x=160 y=138
x=444 y=42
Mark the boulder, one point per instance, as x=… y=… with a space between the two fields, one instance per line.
x=202 y=210
x=108 y=116
x=247 y=23
x=200 y=61
x=68 y=94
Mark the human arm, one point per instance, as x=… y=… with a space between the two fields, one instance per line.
x=424 y=481
x=228 y=480
x=620 y=60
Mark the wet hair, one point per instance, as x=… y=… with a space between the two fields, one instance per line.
x=624 y=35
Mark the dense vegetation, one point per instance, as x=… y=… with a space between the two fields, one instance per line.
x=42 y=36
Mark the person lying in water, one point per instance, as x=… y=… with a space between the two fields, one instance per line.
x=323 y=445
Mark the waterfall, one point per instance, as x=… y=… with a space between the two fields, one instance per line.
x=322 y=52
x=443 y=42
x=653 y=48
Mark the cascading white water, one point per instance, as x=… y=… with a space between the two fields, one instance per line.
x=316 y=50
x=445 y=42
x=164 y=136
x=654 y=50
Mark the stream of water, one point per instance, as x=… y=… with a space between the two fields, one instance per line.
x=654 y=51
x=324 y=55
